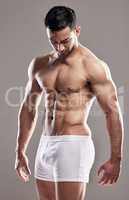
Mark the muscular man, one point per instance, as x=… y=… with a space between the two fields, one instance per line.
x=69 y=77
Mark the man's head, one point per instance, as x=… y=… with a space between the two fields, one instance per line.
x=62 y=30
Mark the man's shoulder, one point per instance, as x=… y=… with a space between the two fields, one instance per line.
x=38 y=63
x=86 y=52
x=41 y=61
x=96 y=68
x=89 y=57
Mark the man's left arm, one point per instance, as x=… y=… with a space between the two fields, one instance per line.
x=106 y=94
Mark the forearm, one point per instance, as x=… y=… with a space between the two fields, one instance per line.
x=116 y=134
x=26 y=124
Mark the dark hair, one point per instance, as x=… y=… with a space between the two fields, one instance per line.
x=59 y=17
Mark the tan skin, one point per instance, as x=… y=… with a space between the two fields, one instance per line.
x=69 y=78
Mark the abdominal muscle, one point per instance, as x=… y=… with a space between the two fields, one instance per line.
x=66 y=119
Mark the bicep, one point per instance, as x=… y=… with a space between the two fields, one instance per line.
x=33 y=91
x=104 y=88
x=106 y=95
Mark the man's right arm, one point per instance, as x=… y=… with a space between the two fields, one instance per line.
x=27 y=116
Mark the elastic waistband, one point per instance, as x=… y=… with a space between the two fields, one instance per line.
x=65 y=137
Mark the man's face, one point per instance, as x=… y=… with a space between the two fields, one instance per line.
x=64 y=40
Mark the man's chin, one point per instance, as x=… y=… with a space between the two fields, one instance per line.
x=63 y=54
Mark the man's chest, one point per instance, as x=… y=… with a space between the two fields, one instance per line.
x=63 y=77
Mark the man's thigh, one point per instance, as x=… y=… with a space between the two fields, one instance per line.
x=71 y=190
x=60 y=190
x=45 y=190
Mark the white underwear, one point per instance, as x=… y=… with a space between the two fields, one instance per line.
x=64 y=158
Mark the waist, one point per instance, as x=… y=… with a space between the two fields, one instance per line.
x=65 y=137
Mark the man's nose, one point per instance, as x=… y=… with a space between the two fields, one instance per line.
x=60 y=47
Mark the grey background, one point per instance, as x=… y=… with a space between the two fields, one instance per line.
x=22 y=36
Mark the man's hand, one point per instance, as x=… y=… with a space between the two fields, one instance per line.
x=22 y=167
x=111 y=172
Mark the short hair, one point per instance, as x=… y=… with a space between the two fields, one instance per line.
x=59 y=17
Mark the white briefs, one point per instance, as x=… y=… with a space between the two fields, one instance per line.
x=64 y=158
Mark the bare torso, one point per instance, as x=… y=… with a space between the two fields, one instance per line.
x=68 y=95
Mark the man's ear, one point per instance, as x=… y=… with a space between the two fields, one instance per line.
x=78 y=30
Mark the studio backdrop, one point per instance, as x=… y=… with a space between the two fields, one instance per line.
x=105 y=31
